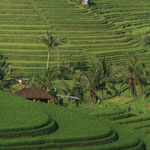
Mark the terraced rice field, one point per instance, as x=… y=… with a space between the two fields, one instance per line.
x=20 y=29
x=131 y=18
x=115 y=110
x=107 y=28
x=27 y=125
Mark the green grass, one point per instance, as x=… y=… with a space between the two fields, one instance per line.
x=70 y=128
x=12 y=118
x=106 y=28
x=116 y=110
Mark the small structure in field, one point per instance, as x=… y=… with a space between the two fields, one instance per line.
x=85 y=2
x=22 y=81
x=35 y=94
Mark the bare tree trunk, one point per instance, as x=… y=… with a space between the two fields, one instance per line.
x=129 y=106
x=100 y=103
x=48 y=55
x=58 y=58
x=101 y=99
x=130 y=93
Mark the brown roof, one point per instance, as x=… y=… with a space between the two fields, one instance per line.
x=35 y=93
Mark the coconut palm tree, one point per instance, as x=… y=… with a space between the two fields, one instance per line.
x=66 y=71
x=90 y=84
x=104 y=76
x=45 y=81
x=52 y=42
x=96 y=78
x=6 y=74
x=136 y=75
x=76 y=88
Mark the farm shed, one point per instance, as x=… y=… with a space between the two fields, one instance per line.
x=35 y=94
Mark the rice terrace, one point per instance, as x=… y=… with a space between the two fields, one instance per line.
x=74 y=74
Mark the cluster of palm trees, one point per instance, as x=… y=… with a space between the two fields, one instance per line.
x=52 y=42
x=100 y=81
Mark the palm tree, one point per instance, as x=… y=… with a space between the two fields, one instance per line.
x=51 y=42
x=45 y=81
x=137 y=75
x=104 y=75
x=97 y=77
x=6 y=74
x=90 y=84
x=66 y=71
x=76 y=88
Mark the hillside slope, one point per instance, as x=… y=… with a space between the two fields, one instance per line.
x=107 y=28
x=34 y=125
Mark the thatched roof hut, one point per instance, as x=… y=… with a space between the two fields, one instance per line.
x=34 y=94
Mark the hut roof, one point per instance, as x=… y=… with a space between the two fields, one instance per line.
x=34 y=93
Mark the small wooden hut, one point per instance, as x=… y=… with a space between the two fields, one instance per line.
x=35 y=94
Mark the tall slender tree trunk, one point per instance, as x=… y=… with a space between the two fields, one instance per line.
x=101 y=99
x=48 y=55
x=92 y=96
x=91 y=101
x=129 y=106
x=58 y=58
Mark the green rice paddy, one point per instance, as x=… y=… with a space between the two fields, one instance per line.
x=35 y=125
x=107 y=27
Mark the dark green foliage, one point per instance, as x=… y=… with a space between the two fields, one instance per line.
x=66 y=71
x=136 y=75
x=96 y=78
x=46 y=81
x=6 y=74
